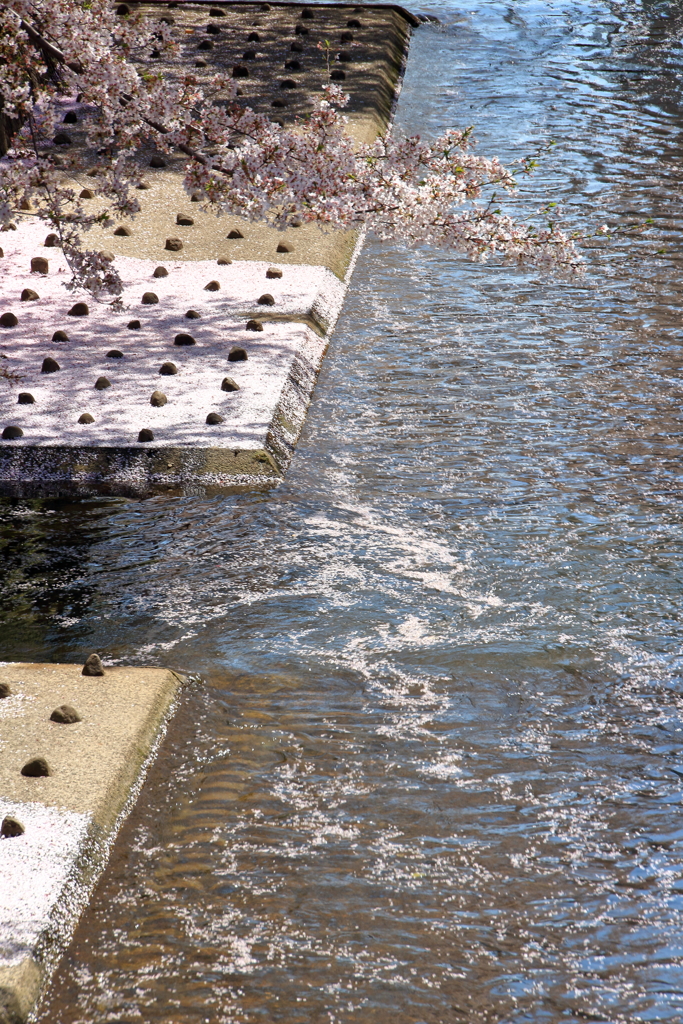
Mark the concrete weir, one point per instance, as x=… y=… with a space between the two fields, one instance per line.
x=73 y=753
x=200 y=385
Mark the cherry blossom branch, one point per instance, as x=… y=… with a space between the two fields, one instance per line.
x=439 y=192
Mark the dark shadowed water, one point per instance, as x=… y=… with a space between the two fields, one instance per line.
x=424 y=773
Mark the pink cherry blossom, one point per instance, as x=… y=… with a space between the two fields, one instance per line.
x=437 y=192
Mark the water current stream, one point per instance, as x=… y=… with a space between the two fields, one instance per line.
x=424 y=771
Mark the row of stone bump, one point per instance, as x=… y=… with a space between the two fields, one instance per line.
x=9 y=319
x=236 y=355
x=158 y=399
x=253 y=37
x=38 y=767
x=148 y=299
x=240 y=71
x=171 y=244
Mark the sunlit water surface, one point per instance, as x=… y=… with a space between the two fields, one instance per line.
x=424 y=772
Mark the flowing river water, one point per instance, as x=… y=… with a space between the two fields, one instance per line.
x=423 y=771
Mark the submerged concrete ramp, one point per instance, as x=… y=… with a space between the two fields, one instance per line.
x=74 y=749
x=200 y=385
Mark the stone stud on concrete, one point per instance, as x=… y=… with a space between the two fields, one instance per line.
x=228 y=384
x=279 y=103
x=200 y=64
x=254 y=325
x=347 y=37
x=216 y=12
x=107 y=255
x=307 y=14
x=168 y=369
x=284 y=247
x=235 y=233
x=25 y=398
x=214 y=418
x=296 y=48
x=85 y=417
x=213 y=30
x=79 y=309
x=301 y=31
x=145 y=435
x=266 y=300
x=51 y=242
x=184 y=339
x=157 y=161
x=158 y=399
x=39 y=265
x=143 y=186
x=212 y=286
x=353 y=23
x=62 y=139
x=337 y=75
x=12 y=433
x=8 y=320
x=192 y=314
x=65 y=715
x=50 y=365
x=70 y=117
x=122 y=10
x=223 y=261
x=134 y=325
x=288 y=83
x=249 y=55
x=293 y=65
x=11 y=827
x=28 y=295
x=273 y=272
x=205 y=44
x=253 y=37
x=345 y=57
x=5 y=690
x=60 y=336
x=102 y=383
x=237 y=355
x=93 y=666
x=184 y=220
x=160 y=272
x=173 y=244
x=123 y=231
x=86 y=193
x=114 y=353
x=37 y=768
x=240 y=71
x=150 y=299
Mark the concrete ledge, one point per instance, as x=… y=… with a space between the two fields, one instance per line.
x=71 y=815
x=199 y=382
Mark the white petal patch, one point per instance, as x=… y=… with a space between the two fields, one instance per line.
x=35 y=869
x=121 y=407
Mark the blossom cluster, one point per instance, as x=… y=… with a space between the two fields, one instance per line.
x=437 y=192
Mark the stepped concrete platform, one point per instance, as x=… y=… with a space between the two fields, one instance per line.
x=73 y=753
x=201 y=384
